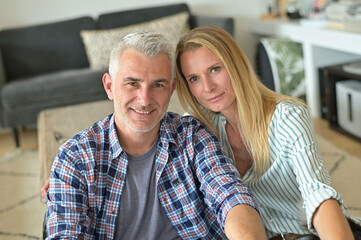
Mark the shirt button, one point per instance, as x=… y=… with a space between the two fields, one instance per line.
x=121 y=179
x=113 y=212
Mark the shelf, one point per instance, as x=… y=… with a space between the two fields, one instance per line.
x=320 y=36
x=321 y=46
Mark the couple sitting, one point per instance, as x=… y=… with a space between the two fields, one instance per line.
x=142 y=173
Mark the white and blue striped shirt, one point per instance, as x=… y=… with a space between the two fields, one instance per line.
x=296 y=182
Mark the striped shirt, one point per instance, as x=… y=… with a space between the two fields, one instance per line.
x=197 y=184
x=296 y=182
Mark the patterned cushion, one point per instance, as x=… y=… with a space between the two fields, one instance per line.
x=286 y=59
x=99 y=43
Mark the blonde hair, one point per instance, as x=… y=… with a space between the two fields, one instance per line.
x=255 y=102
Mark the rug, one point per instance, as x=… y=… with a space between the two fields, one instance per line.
x=345 y=172
x=21 y=210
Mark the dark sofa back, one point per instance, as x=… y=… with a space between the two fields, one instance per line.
x=45 y=48
x=128 y=17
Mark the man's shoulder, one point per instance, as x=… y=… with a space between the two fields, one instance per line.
x=175 y=121
x=180 y=128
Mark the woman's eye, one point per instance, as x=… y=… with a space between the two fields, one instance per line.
x=215 y=69
x=193 y=79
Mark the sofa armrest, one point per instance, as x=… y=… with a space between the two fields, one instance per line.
x=2 y=83
x=2 y=72
x=226 y=23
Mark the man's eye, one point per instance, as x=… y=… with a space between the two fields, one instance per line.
x=158 y=85
x=133 y=84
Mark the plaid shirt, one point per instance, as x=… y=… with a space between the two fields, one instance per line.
x=197 y=184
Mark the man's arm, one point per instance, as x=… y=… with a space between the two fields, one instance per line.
x=67 y=210
x=330 y=223
x=235 y=207
x=244 y=222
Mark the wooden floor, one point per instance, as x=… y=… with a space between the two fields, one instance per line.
x=342 y=141
x=28 y=139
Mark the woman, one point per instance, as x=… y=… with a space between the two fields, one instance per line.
x=270 y=137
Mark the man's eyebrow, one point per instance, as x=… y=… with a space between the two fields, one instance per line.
x=131 y=79
x=162 y=80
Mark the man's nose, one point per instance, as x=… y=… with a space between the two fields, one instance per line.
x=144 y=96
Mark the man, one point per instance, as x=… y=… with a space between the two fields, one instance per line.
x=142 y=173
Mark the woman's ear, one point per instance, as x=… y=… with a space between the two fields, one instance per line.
x=108 y=83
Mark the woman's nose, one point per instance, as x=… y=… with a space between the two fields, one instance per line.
x=208 y=85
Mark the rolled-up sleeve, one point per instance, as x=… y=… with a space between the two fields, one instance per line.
x=220 y=180
x=307 y=163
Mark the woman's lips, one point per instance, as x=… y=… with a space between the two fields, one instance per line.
x=216 y=98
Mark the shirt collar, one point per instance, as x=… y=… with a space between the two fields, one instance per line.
x=115 y=147
x=168 y=128
x=167 y=133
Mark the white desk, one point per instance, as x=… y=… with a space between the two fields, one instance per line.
x=322 y=47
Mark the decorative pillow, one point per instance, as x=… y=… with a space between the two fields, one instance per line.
x=99 y=43
x=286 y=59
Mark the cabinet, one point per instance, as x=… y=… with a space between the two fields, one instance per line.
x=328 y=78
x=321 y=47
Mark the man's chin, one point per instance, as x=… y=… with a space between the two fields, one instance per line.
x=141 y=126
x=142 y=130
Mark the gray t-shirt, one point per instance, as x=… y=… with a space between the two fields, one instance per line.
x=141 y=215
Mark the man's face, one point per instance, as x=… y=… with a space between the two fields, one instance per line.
x=141 y=91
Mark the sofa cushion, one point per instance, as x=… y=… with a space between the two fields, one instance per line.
x=52 y=88
x=35 y=50
x=99 y=43
x=225 y=23
x=128 y=17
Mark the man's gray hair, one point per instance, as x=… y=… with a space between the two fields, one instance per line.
x=150 y=44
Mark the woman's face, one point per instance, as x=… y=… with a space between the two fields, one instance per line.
x=208 y=80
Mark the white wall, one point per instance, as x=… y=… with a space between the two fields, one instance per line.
x=18 y=13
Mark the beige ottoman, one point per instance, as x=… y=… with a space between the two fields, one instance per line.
x=57 y=125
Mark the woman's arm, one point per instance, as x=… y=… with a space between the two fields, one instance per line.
x=330 y=223
x=44 y=188
x=321 y=201
x=244 y=222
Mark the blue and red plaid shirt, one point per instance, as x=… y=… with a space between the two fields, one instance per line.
x=197 y=184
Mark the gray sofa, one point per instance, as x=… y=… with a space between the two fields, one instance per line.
x=46 y=66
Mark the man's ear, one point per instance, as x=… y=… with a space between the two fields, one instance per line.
x=107 y=83
x=174 y=83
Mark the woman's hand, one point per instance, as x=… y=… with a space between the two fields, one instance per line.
x=44 y=188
